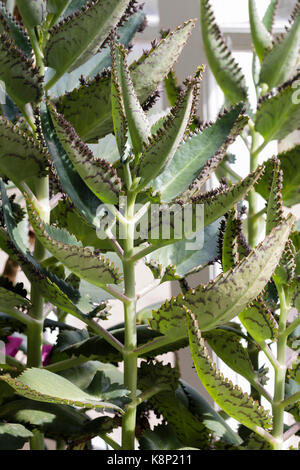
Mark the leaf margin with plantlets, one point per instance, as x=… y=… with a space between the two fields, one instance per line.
x=257 y=416
x=99 y=87
x=170 y=319
x=226 y=70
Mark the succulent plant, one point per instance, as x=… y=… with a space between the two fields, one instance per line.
x=104 y=183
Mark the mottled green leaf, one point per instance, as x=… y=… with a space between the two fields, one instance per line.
x=280 y=64
x=130 y=110
x=98 y=174
x=224 y=67
x=207 y=414
x=99 y=62
x=88 y=108
x=80 y=195
x=294 y=373
x=55 y=290
x=166 y=221
x=230 y=398
x=257 y=318
x=230 y=253
x=194 y=154
x=10 y=301
x=96 y=347
x=290 y=166
x=270 y=13
x=82 y=261
x=161 y=149
x=261 y=37
x=277 y=116
x=13 y=28
x=173 y=404
x=18 y=149
x=227 y=345
x=162 y=437
x=33 y=12
x=23 y=82
x=230 y=293
x=76 y=39
x=42 y=385
x=185 y=261
x=13 y=436
x=172 y=88
x=55 y=420
x=274 y=206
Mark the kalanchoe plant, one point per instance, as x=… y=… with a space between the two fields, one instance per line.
x=103 y=185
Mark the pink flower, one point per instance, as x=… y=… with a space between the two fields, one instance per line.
x=46 y=353
x=13 y=346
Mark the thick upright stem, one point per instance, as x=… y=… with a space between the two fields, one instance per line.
x=35 y=331
x=280 y=372
x=130 y=357
x=253 y=222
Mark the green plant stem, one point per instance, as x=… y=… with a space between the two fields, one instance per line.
x=292 y=326
x=253 y=222
x=130 y=358
x=66 y=364
x=35 y=332
x=280 y=372
x=37 y=441
x=290 y=400
x=113 y=444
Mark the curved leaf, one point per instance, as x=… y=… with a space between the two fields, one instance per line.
x=123 y=92
x=55 y=420
x=229 y=294
x=280 y=64
x=96 y=347
x=82 y=261
x=185 y=261
x=193 y=155
x=290 y=166
x=18 y=149
x=227 y=345
x=13 y=436
x=14 y=29
x=88 y=108
x=257 y=318
x=161 y=149
x=81 y=196
x=100 y=61
x=277 y=116
x=270 y=13
x=230 y=398
x=162 y=437
x=33 y=12
x=208 y=415
x=42 y=385
x=76 y=39
x=173 y=404
x=224 y=67
x=260 y=35
x=23 y=82
x=98 y=174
